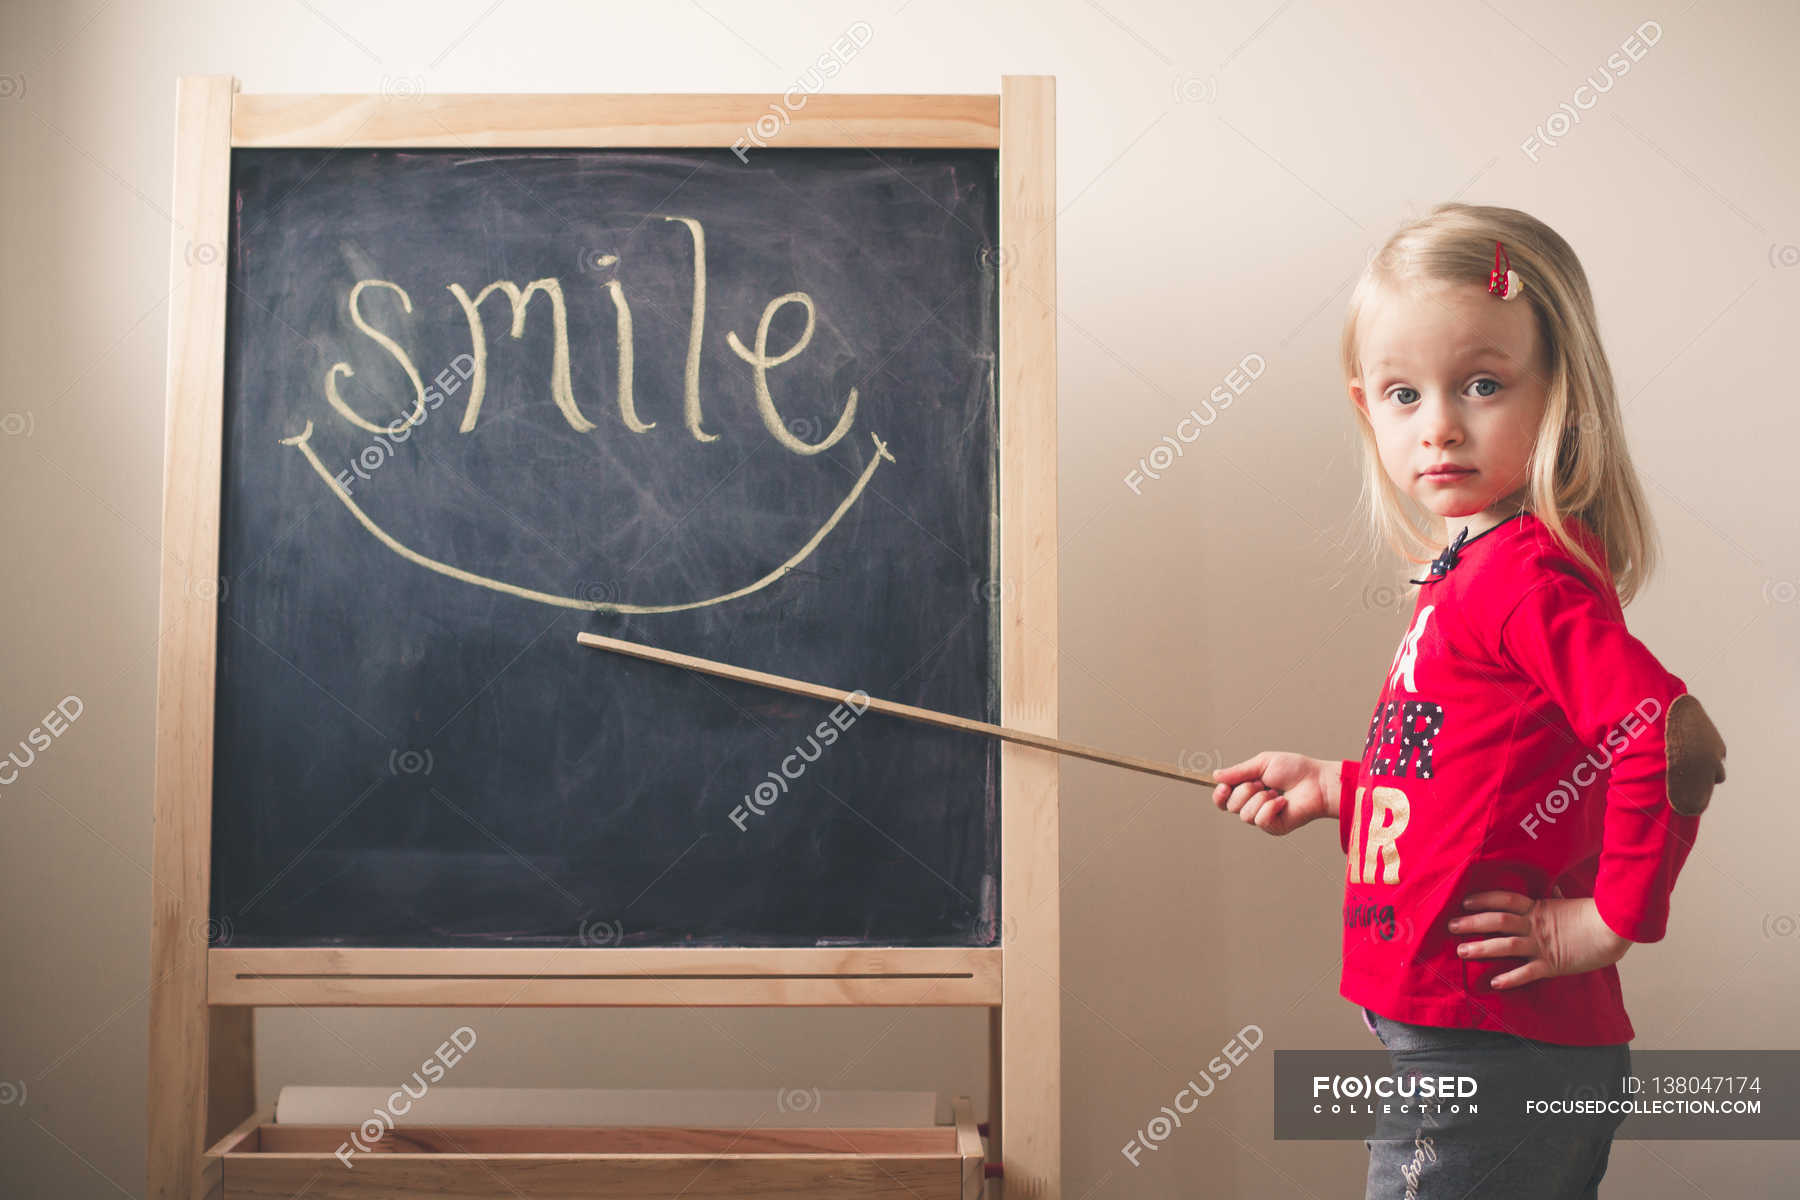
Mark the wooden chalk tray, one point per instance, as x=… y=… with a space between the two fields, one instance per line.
x=262 y=1160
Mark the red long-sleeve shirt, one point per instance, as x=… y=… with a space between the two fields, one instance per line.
x=1518 y=744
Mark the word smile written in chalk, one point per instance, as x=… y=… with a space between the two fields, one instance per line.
x=562 y=394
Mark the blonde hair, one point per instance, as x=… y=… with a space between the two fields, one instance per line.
x=1579 y=465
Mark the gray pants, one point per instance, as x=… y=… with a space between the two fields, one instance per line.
x=1433 y=1157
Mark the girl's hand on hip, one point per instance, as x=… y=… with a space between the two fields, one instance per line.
x=1276 y=791
x=1558 y=936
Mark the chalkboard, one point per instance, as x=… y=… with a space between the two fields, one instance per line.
x=421 y=507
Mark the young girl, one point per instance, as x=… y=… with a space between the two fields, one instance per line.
x=1533 y=778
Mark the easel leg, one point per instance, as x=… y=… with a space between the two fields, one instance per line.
x=230 y=1070
x=995 y=1082
x=182 y=1029
x=1028 y=1020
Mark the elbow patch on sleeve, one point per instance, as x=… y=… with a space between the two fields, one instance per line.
x=1696 y=756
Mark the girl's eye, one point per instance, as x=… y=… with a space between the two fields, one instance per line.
x=1493 y=384
x=1399 y=395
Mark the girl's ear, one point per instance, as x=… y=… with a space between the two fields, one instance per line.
x=1358 y=398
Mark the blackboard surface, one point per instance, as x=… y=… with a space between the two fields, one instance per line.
x=410 y=747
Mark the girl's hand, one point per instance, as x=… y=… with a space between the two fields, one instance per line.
x=1276 y=791
x=1560 y=937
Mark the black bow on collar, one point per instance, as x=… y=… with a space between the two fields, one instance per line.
x=1440 y=566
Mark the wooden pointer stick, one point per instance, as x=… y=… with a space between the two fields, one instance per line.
x=891 y=708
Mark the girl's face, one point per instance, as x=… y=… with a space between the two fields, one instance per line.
x=1452 y=377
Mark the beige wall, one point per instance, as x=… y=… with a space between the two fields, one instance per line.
x=1224 y=170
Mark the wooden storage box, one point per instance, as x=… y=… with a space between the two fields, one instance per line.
x=260 y=1160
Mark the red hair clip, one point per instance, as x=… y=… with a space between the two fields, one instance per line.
x=1504 y=282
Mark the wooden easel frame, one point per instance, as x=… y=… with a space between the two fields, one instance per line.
x=202 y=999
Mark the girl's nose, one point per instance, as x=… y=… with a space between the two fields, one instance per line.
x=1442 y=426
